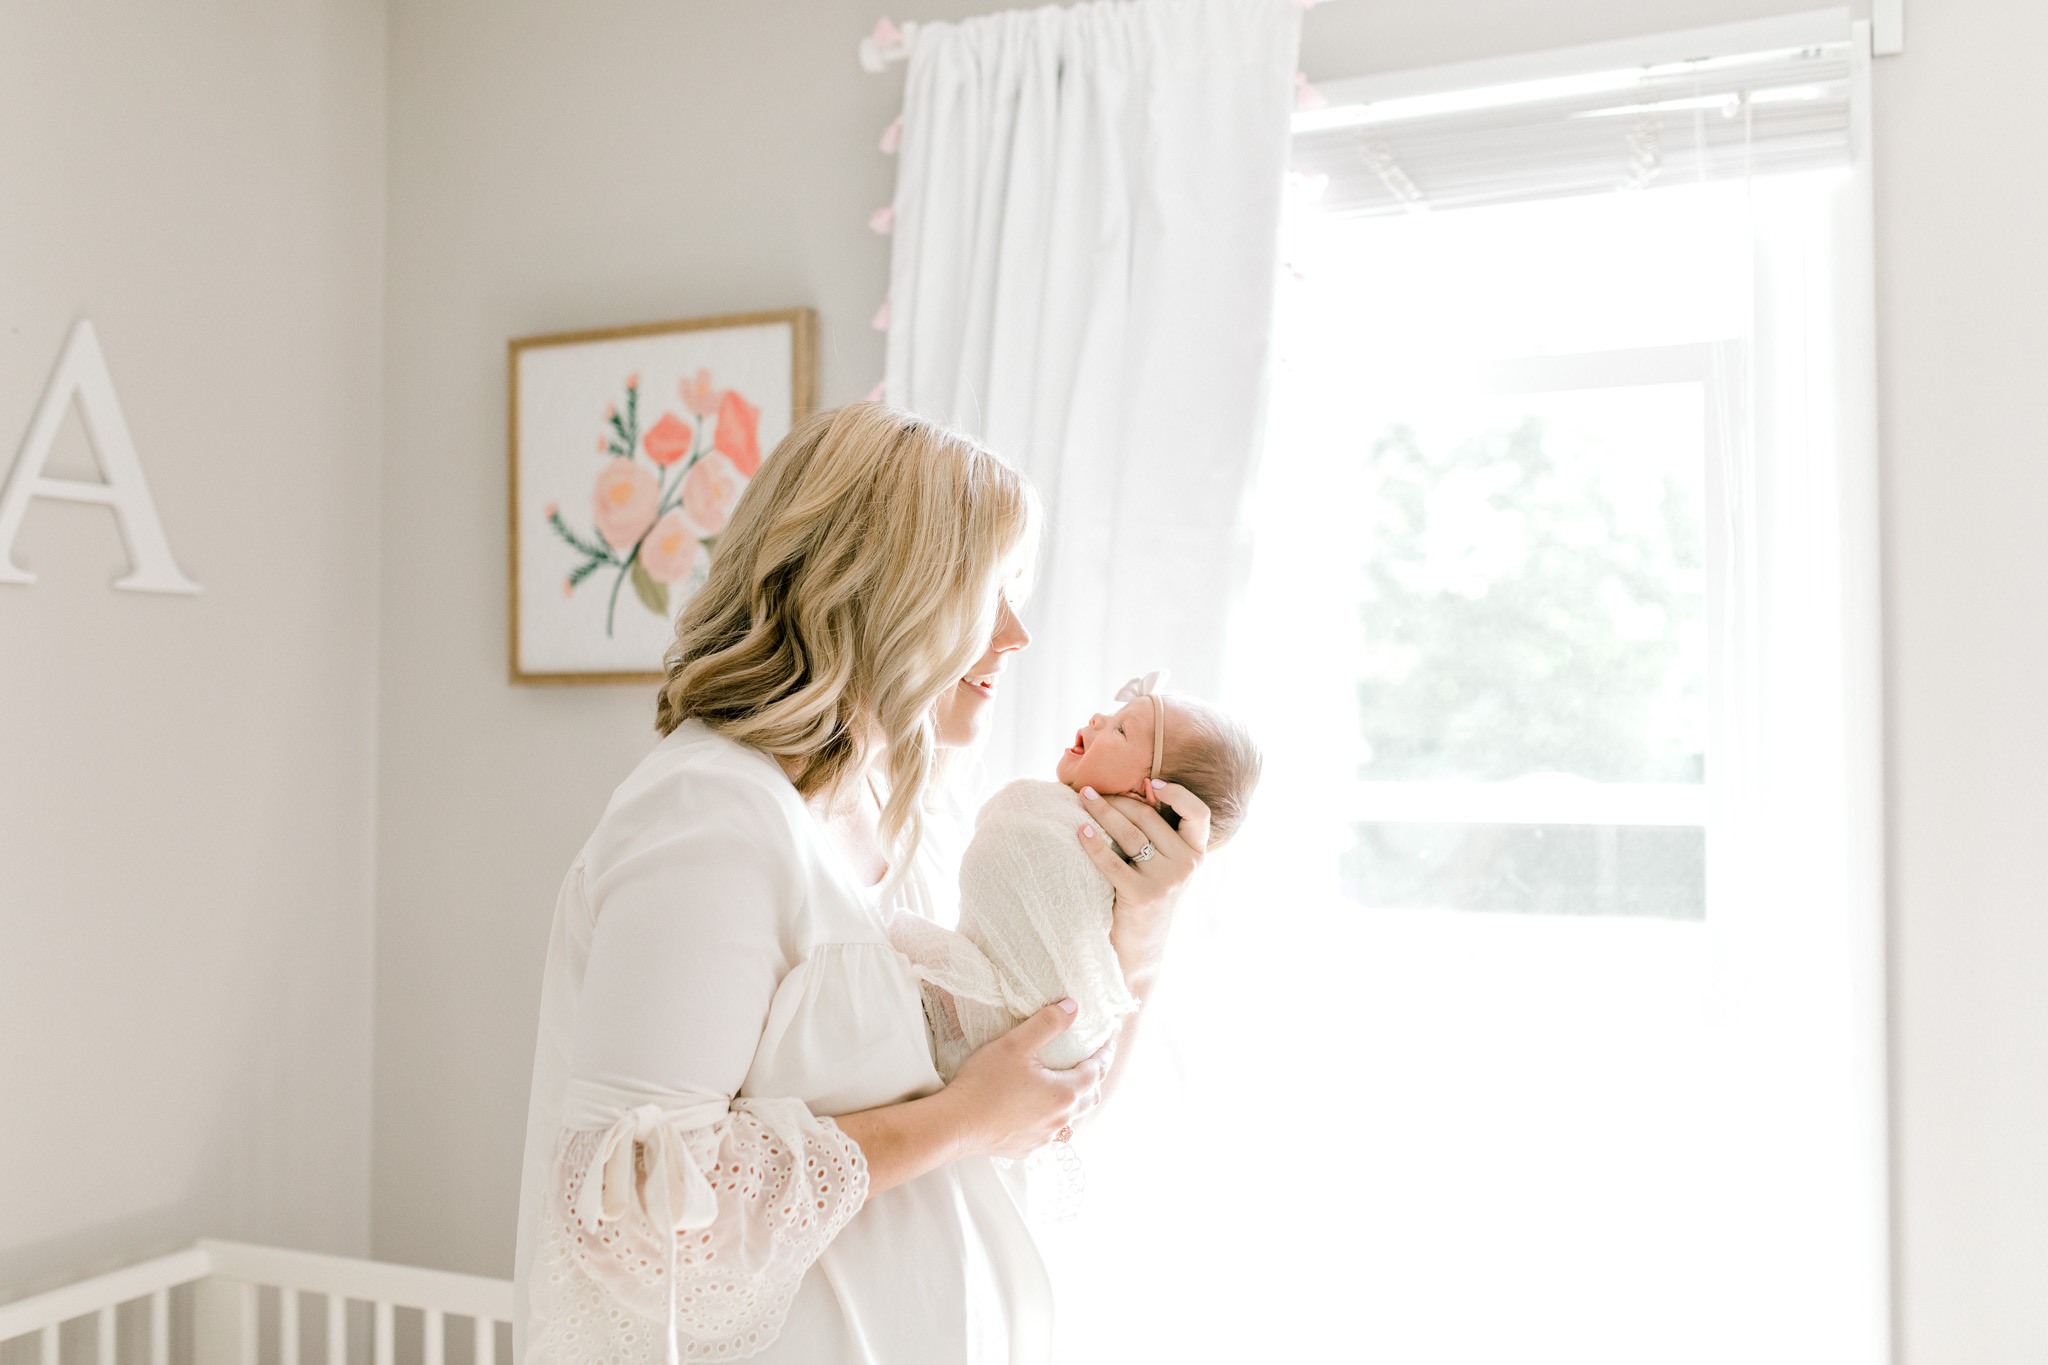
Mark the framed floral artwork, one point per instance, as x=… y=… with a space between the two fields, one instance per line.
x=629 y=447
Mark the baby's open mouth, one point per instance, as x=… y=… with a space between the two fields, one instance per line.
x=1080 y=745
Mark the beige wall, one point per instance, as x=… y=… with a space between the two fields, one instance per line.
x=186 y=783
x=1963 y=341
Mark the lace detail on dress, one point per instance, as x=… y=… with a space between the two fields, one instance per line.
x=782 y=1189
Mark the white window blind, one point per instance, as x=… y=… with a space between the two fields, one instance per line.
x=1756 y=113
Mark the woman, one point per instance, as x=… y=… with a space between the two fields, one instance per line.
x=733 y=1094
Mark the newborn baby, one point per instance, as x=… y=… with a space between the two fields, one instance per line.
x=1034 y=910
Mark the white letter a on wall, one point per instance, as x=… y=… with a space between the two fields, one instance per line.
x=82 y=373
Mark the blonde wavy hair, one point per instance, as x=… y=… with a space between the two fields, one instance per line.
x=856 y=582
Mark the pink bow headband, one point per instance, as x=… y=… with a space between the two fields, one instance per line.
x=1148 y=686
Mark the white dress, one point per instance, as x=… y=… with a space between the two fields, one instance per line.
x=1034 y=924
x=717 y=987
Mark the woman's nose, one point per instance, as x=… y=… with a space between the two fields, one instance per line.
x=1010 y=632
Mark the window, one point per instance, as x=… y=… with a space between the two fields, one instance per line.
x=1554 y=940
x=1531 y=657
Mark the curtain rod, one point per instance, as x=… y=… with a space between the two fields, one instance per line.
x=890 y=42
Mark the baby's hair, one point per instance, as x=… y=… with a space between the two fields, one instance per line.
x=1213 y=756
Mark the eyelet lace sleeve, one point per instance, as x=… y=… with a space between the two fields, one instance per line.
x=686 y=1227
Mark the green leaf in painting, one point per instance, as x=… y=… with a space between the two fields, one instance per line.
x=585 y=570
x=654 y=595
x=591 y=549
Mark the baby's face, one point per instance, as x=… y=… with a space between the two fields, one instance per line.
x=1112 y=753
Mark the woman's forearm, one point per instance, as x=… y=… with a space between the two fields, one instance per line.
x=1002 y=1102
x=903 y=1141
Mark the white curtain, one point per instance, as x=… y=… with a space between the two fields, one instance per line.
x=1795 y=862
x=1086 y=218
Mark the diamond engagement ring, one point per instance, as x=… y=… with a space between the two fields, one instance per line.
x=1066 y=1131
x=1142 y=854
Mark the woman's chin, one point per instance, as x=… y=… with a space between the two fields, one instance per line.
x=963 y=717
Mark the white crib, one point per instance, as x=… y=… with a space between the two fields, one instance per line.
x=244 y=1307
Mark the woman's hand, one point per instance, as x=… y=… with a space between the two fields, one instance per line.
x=1148 y=891
x=1011 y=1104
x=1003 y=1102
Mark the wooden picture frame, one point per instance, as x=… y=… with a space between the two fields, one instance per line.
x=681 y=414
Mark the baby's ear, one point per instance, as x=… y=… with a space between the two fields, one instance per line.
x=1143 y=792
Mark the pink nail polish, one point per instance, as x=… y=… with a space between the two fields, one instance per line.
x=1069 y=1005
x=1157 y=785
x=1087 y=831
x=1088 y=794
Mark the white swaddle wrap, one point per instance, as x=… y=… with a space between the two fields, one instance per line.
x=1034 y=928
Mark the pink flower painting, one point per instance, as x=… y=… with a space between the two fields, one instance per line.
x=671 y=547
x=709 y=492
x=699 y=394
x=624 y=503
x=668 y=440
x=661 y=498
x=739 y=437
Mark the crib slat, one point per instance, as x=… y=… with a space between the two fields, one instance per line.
x=245 y=1324
x=288 y=1326
x=103 y=1338
x=386 y=1355
x=47 y=1340
x=435 y=1345
x=337 y=1330
x=160 y=1327
x=486 y=1342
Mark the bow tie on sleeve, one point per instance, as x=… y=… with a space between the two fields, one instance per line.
x=678 y=1197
